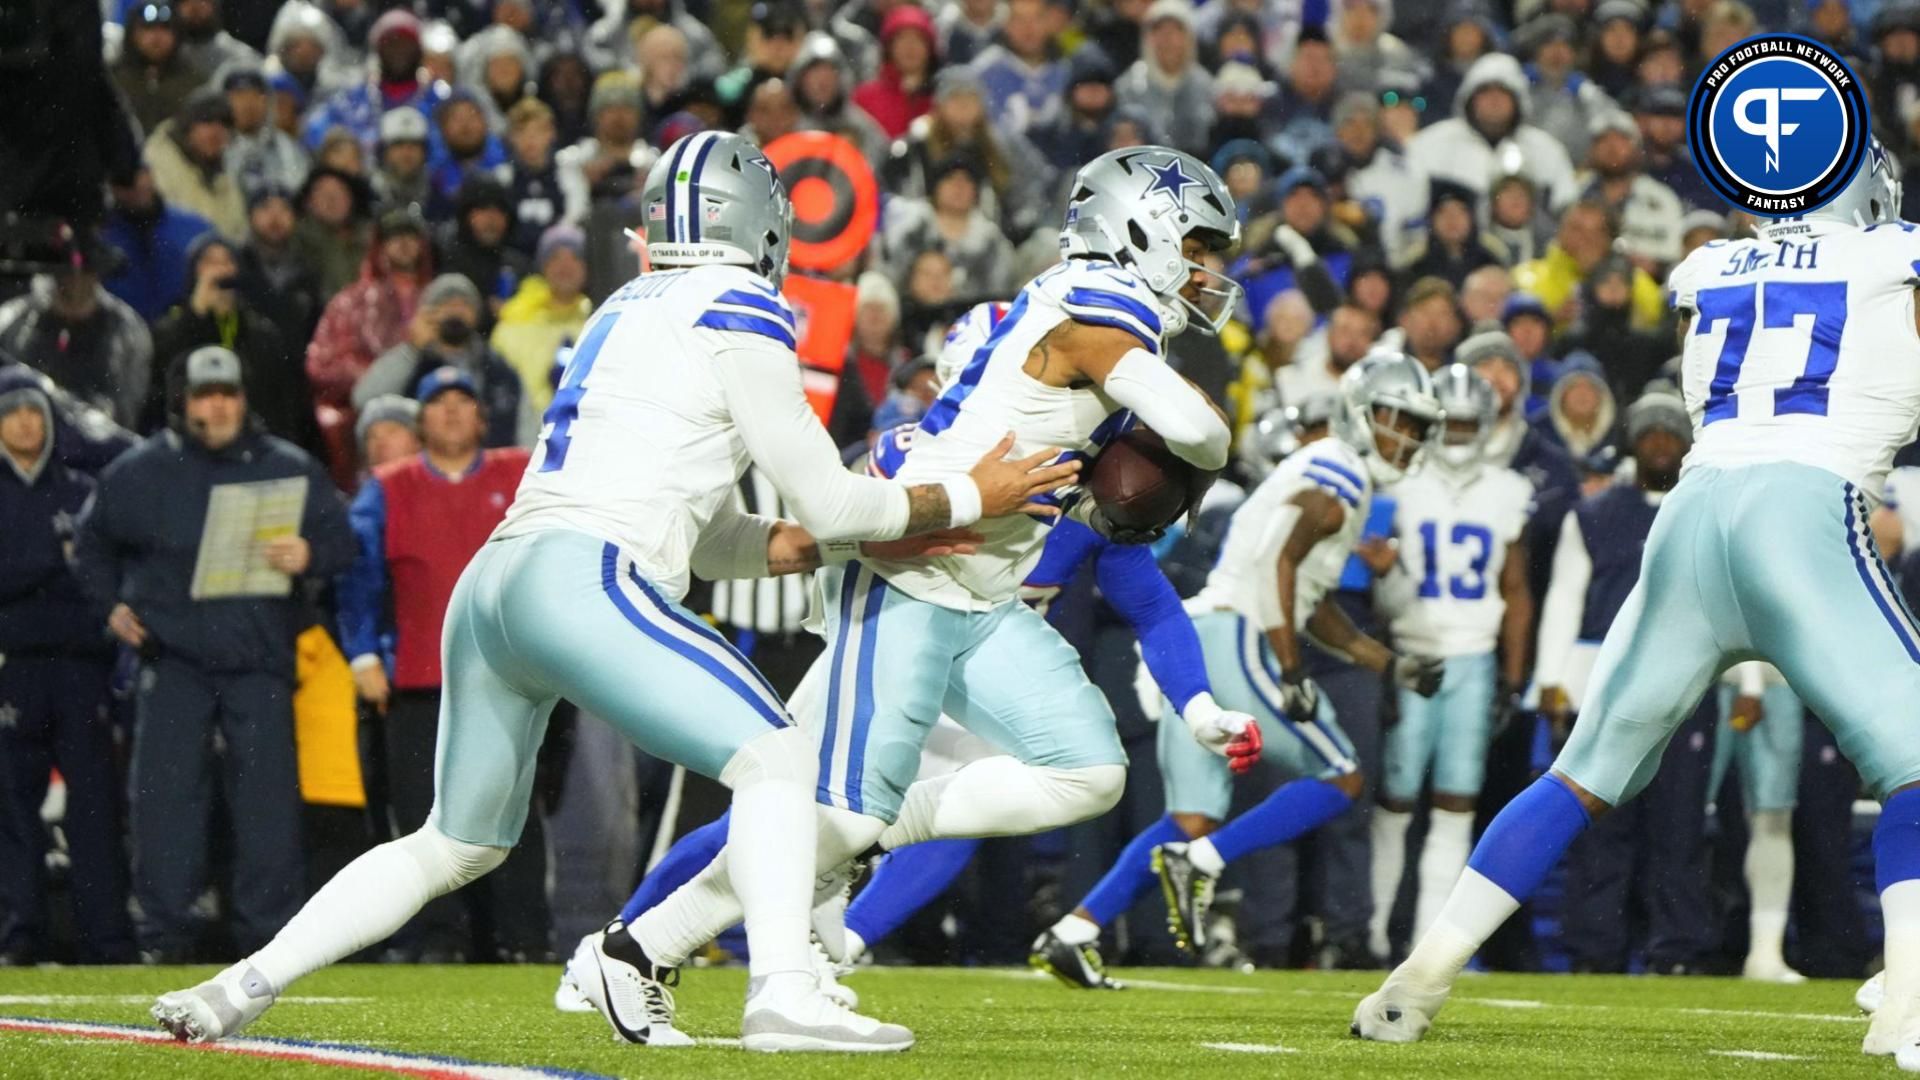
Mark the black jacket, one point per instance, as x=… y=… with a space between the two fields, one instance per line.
x=42 y=607
x=275 y=371
x=140 y=537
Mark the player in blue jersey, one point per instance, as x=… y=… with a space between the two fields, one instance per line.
x=1801 y=368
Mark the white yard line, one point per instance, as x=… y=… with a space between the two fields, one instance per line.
x=1249 y=1048
x=1760 y=1055
x=147 y=999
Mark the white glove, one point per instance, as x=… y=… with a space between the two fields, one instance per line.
x=1233 y=735
x=1298 y=251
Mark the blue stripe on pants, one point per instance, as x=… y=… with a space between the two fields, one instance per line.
x=863 y=704
x=848 y=582
x=1854 y=543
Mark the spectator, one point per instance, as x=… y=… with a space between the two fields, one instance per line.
x=546 y=314
x=930 y=302
x=397 y=82
x=1648 y=210
x=1129 y=127
x=903 y=91
x=401 y=178
x=1454 y=246
x=877 y=350
x=1430 y=322
x=53 y=690
x=532 y=179
x=188 y=158
x=821 y=78
x=1530 y=329
x=1304 y=117
x=1246 y=167
x=615 y=159
x=1629 y=358
x=438 y=43
x=335 y=228
x=958 y=126
x=1660 y=111
x=89 y=342
x=1364 y=47
x=84 y=438
x=1235 y=38
x=1483 y=297
x=1513 y=442
x=1313 y=249
x=1564 y=103
x=151 y=73
x=1518 y=220
x=1078 y=135
x=1115 y=27
x=661 y=55
x=1704 y=226
x=610 y=40
x=1490 y=111
x=1022 y=73
x=566 y=82
x=1379 y=177
x=1580 y=412
x=225 y=660
x=150 y=239
x=1468 y=35
x=496 y=65
x=418 y=521
x=306 y=47
x=1168 y=81
x=447 y=325
x=950 y=219
x=474 y=244
x=273 y=279
x=967 y=28
x=341 y=151
x=1612 y=61
x=258 y=154
x=387 y=429
x=215 y=312
x=373 y=314
x=1240 y=99
x=460 y=144
x=204 y=44
x=1325 y=356
x=771 y=112
x=1586 y=237
x=775 y=29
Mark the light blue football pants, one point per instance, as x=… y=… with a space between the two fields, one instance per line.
x=1769 y=754
x=1447 y=733
x=1771 y=562
x=1245 y=677
x=893 y=664
x=560 y=614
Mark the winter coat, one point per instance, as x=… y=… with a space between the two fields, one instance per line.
x=1454 y=149
x=885 y=97
x=267 y=157
x=530 y=333
x=272 y=370
x=104 y=361
x=154 y=94
x=362 y=321
x=153 y=271
x=214 y=195
x=43 y=609
x=1179 y=103
x=511 y=420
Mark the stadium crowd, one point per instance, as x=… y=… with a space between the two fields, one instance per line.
x=346 y=245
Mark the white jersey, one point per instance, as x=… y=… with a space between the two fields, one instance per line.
x=1244 y=579
x=993 y=395
x=675 y=378
x=965 y=336
x=1803 y=349
x=1454 y=530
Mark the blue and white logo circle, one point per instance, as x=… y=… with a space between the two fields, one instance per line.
x=1778 y=124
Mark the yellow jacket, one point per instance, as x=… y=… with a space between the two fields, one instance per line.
x=531 y=330
x=1555 y=278
x=325 y=723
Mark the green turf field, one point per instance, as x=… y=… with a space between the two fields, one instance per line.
x=986 y=1024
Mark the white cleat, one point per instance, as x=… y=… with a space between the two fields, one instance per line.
x=1872 y=994
x=1398 y=1012
x=828 y=973
x=623 y=985
x=1890 y=1029
x=1776 y=972
x=831 y=892
x=217 y=1008
x=567 y=995
x=804 y=1020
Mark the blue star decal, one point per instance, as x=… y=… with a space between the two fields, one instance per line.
x=1879 y=156
x=1173 y=181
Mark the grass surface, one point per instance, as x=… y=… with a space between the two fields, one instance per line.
x=994 y=1023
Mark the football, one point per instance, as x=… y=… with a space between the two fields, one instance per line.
x=1142 y=484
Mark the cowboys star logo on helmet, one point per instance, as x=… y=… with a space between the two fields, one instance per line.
x=1172 y=181
x=1778 y=124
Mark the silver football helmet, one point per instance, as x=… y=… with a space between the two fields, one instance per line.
x=713 y=197
x=1871 y=197
x=1281 y=430
x=1136 y=207
x=1377 y=393
x=1468 y=410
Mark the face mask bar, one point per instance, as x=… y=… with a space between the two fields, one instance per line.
x=1399 y=449
x=1219 y=297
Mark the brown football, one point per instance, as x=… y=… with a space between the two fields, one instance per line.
x=1142 y=484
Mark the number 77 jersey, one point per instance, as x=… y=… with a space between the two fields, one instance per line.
x=1803 y=348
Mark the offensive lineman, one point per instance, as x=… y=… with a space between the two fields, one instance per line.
x=681 y=377
x=1801 y=367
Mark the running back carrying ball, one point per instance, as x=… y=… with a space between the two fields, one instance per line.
x=1140 y=487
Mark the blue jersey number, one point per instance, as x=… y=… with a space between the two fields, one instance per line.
x=566 y=400
x=1780 y=303
x=1471 y=585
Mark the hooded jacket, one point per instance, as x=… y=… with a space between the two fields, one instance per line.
x=299 y=19
x=1558 y=429
x=213 y=194
x=140 y=538
x=43 y=609
x=104 y=361
x=608 y=45
x=496 y=271
x=840 y=116
x=470 y=65
x=1180 y=102
x=362 y=321
x=885 y=97
x=273 y=370
x=1454 y=149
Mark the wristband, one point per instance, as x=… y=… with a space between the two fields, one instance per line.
x=963 y=497
x=835 y=552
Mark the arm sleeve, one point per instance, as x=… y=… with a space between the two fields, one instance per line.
x=97 y=551
x=732 y=546
x=1170 y=406
x=1133 y=583
x=762 y=390
x=361 y=590
x=1566 y=603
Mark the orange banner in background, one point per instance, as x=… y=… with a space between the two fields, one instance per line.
x=824 y=310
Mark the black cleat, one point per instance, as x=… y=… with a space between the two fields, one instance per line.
x=1077 y=966
x=1189 y=895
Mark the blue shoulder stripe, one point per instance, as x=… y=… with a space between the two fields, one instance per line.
x=1099 y=298
x=747 y=324
x=758 y=302
x=1335 y=485
x=1152 y=343
x=1341 y=470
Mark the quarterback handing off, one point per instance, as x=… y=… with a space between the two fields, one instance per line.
x=680 y=379
x=1801 y=368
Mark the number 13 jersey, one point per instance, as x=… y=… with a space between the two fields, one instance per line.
x=1803 y=348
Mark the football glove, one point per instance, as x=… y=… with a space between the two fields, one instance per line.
x=1300 y=699
x=1233 y=735
x=1094 y=516
x=1420 y=674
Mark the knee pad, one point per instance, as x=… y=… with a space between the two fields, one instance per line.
x=785 y=754
x=447 y=863
x=1085 y=792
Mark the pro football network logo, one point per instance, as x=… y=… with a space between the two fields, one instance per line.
x=1778 y=124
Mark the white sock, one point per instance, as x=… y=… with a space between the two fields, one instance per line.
x=373 y=896
x=1205 y=857
x=999 y=796
x=1769 y=869
x=1076 y=930
x=1449 y=842
x=1474 y=910
x=771 y=838
x=856 y=947
x=1388 y=833
x=1900 y=908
